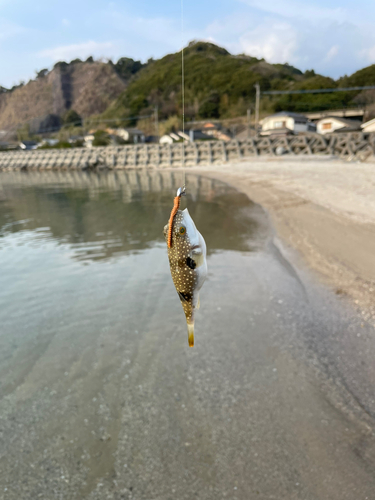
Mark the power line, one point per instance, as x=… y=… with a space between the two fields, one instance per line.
x=88 y=121
x=316 y=91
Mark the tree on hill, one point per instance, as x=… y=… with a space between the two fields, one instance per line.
x=210 y=108
x=101 y=138
x=309 y=73
x=363 y=78
x=42 y=73
x=127 y=67
x=62 y=65
x=312 y=102
x=71 y=117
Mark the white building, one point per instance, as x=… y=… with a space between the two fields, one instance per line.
x=48 y=142
x=368 y=126
x=285 y=122
x=166 y=139
x=172 y=137
x=88 y=139
x=133 y=135
x=331 y=124
x=26 y=145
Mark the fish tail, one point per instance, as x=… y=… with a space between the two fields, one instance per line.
x=191 y=334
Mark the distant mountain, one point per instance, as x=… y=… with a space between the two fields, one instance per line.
x=221 y=85
x=87 y=87
x=217 y=85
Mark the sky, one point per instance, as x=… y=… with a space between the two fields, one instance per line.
x=331 y=36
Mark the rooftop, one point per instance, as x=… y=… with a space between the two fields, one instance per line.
x=353 y=124
x=288 y=114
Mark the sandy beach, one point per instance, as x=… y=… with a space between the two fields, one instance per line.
x=323 y=212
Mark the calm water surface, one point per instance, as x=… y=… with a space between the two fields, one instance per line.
x=100 y=396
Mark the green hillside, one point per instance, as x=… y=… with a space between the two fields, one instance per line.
x=362 y=78
x=217 y=84
x=221 y=85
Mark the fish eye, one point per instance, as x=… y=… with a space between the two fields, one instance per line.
x=182 y=230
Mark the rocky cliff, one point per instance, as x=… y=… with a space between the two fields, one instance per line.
x=86 y=87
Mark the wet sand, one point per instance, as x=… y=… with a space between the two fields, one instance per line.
x=100 y=396
x=323 y=211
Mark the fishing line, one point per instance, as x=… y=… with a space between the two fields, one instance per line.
x=186 y=246
x=183 y=92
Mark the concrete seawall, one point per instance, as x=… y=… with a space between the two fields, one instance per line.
x=356 y=146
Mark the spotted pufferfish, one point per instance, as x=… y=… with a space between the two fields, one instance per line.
x=187 y=260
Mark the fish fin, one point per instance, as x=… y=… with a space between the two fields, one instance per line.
x=191 y=263
x=198 y=303
x=184 y=297
x=191 y=334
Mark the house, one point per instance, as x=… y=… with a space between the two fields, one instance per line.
x=216 y=131
x=132 y=135
x=4 y=145
x=331 y=124
x=369 y=126
x=27 y=145
x=199 y=135
x=213 y=129
x=166 y=139
x=174 y=137
x=73 y=139
x=88 y=139
x=286 y=122
x=152 y=139
x=48 y=142
x=210 y=128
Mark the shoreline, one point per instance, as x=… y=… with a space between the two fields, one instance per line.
x=323 y=212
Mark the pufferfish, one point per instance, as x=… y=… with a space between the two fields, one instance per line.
x=187 y=260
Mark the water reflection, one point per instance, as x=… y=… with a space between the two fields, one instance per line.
x=105 y=215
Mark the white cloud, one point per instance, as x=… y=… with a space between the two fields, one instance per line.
x=277 y=43
x=368 y=55
x=82 y=50
x=330 y=47
x=298 y=9
x=332 y=53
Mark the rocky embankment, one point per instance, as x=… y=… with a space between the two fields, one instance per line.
x=355 y=146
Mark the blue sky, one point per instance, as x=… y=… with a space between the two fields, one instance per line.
x=333 y=37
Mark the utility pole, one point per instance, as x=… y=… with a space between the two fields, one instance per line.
x=248 y=122
x=157 y=123
x=257 y=105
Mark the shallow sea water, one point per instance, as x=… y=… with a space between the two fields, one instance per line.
x=100 y=396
